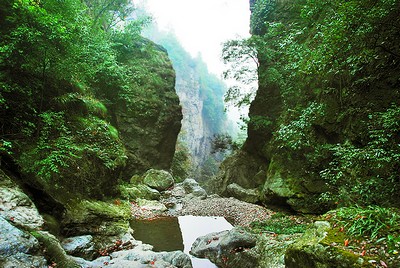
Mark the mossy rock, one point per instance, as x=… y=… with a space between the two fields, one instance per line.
x=160 y=180
x=54 y=251
x=133 y=192
x=97 y=218
x=315 y=250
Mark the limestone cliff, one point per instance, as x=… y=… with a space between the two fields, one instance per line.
x=201 y=96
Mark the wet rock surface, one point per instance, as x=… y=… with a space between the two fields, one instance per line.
x=228 y=248
x=16 y=206
x=18 y=248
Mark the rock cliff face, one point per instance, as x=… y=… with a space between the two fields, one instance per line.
x=149 y=132
x=196 y=132
x=201 y=96
x=311 y=134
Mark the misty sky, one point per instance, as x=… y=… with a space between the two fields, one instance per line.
x=202 y=25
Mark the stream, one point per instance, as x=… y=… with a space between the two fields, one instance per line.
x=178 y=233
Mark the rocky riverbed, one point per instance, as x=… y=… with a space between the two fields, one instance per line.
x=183 y=200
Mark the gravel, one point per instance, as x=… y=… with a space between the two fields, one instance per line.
x=237 y=212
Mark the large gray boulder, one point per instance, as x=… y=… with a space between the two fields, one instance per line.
x=246 y=195
x=18 y=247
x=22 y=260
x=141 y=255
x=193 y=189
x=160 y=180
x=81 y=246
x=231 y=248
x=17 y=207
x=14 y=241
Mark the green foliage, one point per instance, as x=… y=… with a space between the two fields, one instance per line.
x=280 y=223
x=5 y=147
x=299 y=133
x=241 y=57
x=181 y=166
x=224 y=143
x=373 y=221
x=54 y=150
x=363 y=174
x=327 y=100
x=260 y=11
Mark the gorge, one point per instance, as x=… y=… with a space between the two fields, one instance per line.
x=90 y=112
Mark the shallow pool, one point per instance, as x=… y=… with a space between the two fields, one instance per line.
x=170 y=233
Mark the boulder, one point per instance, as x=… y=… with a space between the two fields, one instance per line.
x=246 y=195
x=158 y=179
x=96 y=218
x=192 y=188
x=152 y=205
x=242 y=168
x=140 y=191
x=177 y=258
x=272 y=248
x=314 y=249
x=81 y=246
x=141 y=255
x=18 y=248
x=16 y=206
x=233 y=248
x=14 y=241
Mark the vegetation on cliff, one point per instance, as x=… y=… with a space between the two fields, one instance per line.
x=325 y=121
x=71 y=72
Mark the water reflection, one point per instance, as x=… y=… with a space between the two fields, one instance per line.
x=170 y=234
x=163 y=234
x=193 y=227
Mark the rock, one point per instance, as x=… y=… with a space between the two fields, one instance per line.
x=194 y=189
x=97 y=218
x=53 y=249
x=242 y=168
x=246 y=195
x=272 y=249
x=14 y=241
x=177 y=258
x=140 y=191
x=22 y=260
x=140 y=256
x=16 y=205
x=314 y=249
x=152 y=205
x=227 y=248
x=17 y=248
x=149 y=123
x=80 y=246
x=158 y=179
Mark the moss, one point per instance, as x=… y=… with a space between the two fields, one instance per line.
x=97 y=218
x=132 y=192
x=334 y=236
x=51 y=224
x=116 y=209
x=54 y=251
x=322 y=246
